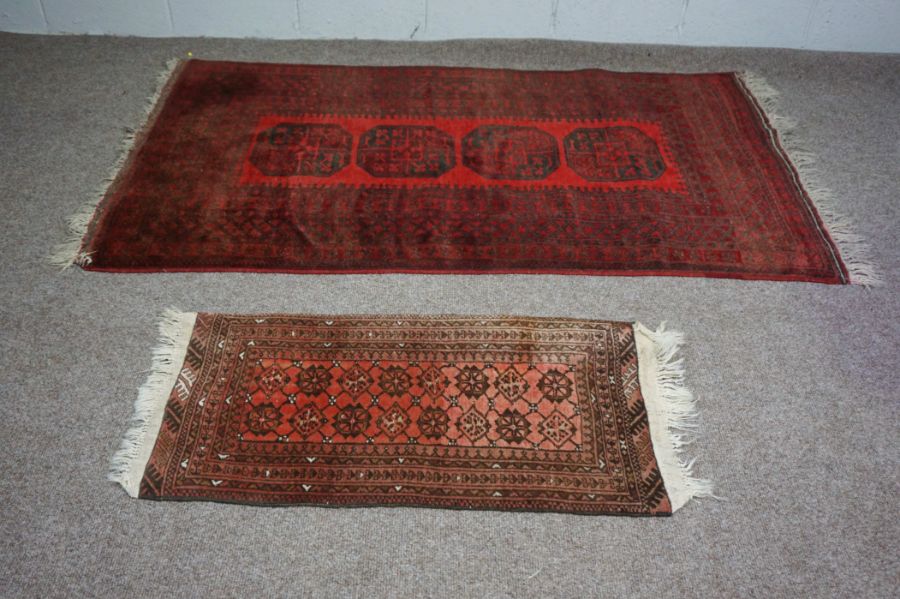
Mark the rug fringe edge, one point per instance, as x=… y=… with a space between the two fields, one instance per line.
x=71 y=251
x=671 y=411
x=128 y=463
x=854 y=251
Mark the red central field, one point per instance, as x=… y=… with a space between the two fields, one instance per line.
x=321 y=169
x=507 y=413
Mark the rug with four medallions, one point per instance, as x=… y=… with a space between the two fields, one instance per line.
x=333 y=169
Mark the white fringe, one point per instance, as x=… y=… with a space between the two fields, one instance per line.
x=71 y=250
x=128 y=464
x=854 y=252
x=671 y=411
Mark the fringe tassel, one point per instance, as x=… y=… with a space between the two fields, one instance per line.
x=128 y=464
x=854 y=252
x=71 y=251
x=671 y=411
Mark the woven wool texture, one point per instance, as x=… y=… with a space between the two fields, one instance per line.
x=268 y=167
x=797 y=383
x=506 y=413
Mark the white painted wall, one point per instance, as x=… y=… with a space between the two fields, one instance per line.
x=851 y=25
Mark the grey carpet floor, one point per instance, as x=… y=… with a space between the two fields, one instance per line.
x=798 y=383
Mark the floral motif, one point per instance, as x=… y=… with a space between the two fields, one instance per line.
x=473 y=425
x=394 y=381
x=555 y=385
x=263 y=419
x=352 y=421
x=511 y=384
x=433 y=381
x=314 y=380
x=471 y=381
x=512 y=426
x=356 y=380
x=393 y=422
x=272 y=380
x=433 y=423
x=308 y=420
x=557 y=428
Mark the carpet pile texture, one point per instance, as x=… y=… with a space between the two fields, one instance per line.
x=339 y=169
x=504 y=413
x=797 y=382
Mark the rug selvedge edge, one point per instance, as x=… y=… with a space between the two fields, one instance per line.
x=128 y=463
x=73 y=251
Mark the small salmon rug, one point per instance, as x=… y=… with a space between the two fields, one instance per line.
x=332 y=169
x=506 y=413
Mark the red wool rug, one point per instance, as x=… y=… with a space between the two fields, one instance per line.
x=329 y=169
x=508 y=413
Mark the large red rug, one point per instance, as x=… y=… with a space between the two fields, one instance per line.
x=329 y=169
x=508 y=413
